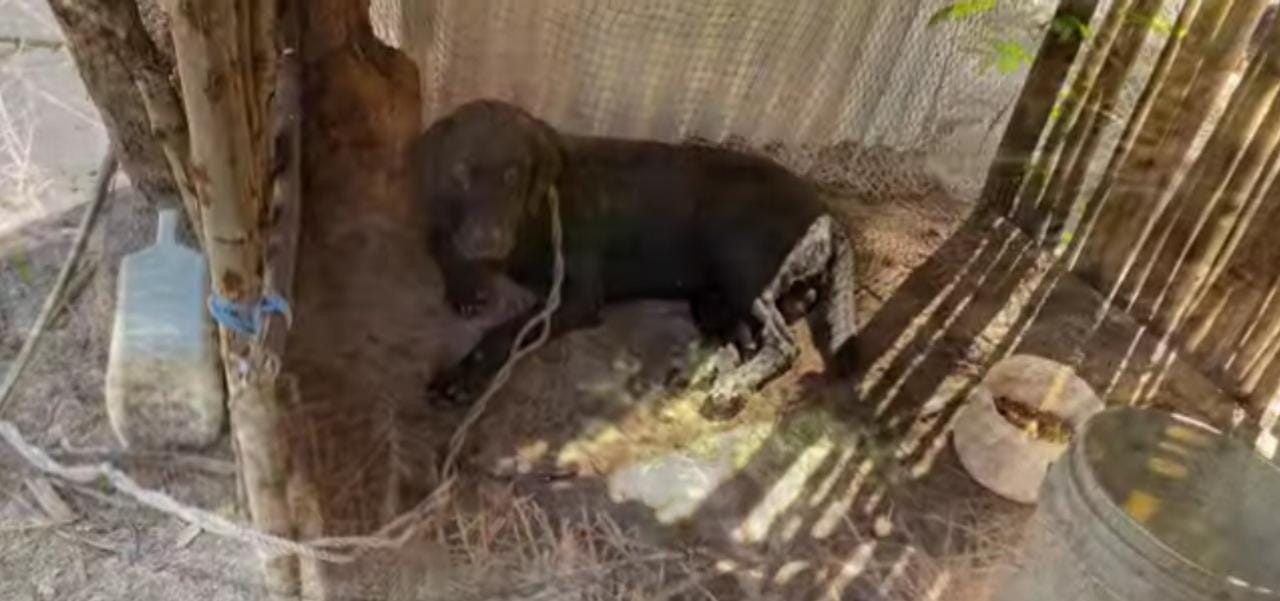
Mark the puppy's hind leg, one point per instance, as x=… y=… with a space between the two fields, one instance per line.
x=833 y=322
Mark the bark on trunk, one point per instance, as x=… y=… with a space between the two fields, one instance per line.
x=1222 y=211
x=107 y=64
x=129 y=78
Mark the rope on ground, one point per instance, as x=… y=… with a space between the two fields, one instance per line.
x=393 y=535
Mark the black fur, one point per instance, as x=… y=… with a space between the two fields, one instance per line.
x=749 y=244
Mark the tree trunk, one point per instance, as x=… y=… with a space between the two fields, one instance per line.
x=1035 y=105
x=1059 y=144
x=107 y=64
x=1260 y=192
x=1222 y=214
x=1155 y=249
x=1214 y=176
x=129 y=78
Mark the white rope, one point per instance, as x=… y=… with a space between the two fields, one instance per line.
x=392 y=535
x=518 y=351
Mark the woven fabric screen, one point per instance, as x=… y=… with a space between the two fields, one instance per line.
x=902 y=97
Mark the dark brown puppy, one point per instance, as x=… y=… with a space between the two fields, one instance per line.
x=749 y=244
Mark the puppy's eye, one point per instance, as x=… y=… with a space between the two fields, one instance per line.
x=510 y=176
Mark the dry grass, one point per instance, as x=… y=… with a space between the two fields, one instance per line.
x=508 y=547
x=514 y=549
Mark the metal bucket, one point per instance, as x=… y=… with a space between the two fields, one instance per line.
x=1149 y=506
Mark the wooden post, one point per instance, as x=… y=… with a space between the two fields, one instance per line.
x=225 y=59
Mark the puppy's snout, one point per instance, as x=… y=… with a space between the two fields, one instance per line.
x=483 y=242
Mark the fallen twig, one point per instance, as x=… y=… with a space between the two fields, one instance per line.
x=216 y=467
x=100 y=189
x=74 y=288
x=391 y=536
x=41 y=43
x=91 y=542
x=50 y=501
x=187 y=536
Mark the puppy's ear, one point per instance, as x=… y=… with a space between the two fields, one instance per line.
x=546 y=160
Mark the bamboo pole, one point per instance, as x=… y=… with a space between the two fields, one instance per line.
x=1255 y=195
x=1058 y=141
x=1157 y=255
x=1155 y=252
x=1035 y=105
x=1255 y=347
x=1153 y=89
x=1259 y=316
x=1261 y=364
x=1202 y=330
x=1261 y=125
x=1125 y=223
x=223 y=95
x=1065 y=186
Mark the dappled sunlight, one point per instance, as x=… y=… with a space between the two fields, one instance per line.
x=848 y=570
x=835 y=512
x=881 y=365
x=596 y=472
x=785 y=492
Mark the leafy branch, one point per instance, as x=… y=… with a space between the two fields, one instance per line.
x=1000 y=50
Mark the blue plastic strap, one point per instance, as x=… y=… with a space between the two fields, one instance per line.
x=246 y=318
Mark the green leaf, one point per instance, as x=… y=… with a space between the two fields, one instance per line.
x=1068 y=26
x=960 y=10
x=1055 y=113
x=22 y=264
x=1010 y=56
x=1157 y=23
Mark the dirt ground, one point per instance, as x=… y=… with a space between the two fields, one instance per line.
x=590 y=469
x=866 y=498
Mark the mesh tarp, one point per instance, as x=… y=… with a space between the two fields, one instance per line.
x=910 y=98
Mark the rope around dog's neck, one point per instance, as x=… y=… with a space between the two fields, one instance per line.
x=518 y=348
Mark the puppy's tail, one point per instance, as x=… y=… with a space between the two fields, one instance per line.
x=838 y=313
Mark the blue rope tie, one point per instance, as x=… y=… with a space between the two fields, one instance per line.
x=246 y=318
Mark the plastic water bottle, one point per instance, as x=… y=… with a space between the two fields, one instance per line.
x=163 y=387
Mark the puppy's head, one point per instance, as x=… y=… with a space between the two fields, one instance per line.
x=482 y=170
